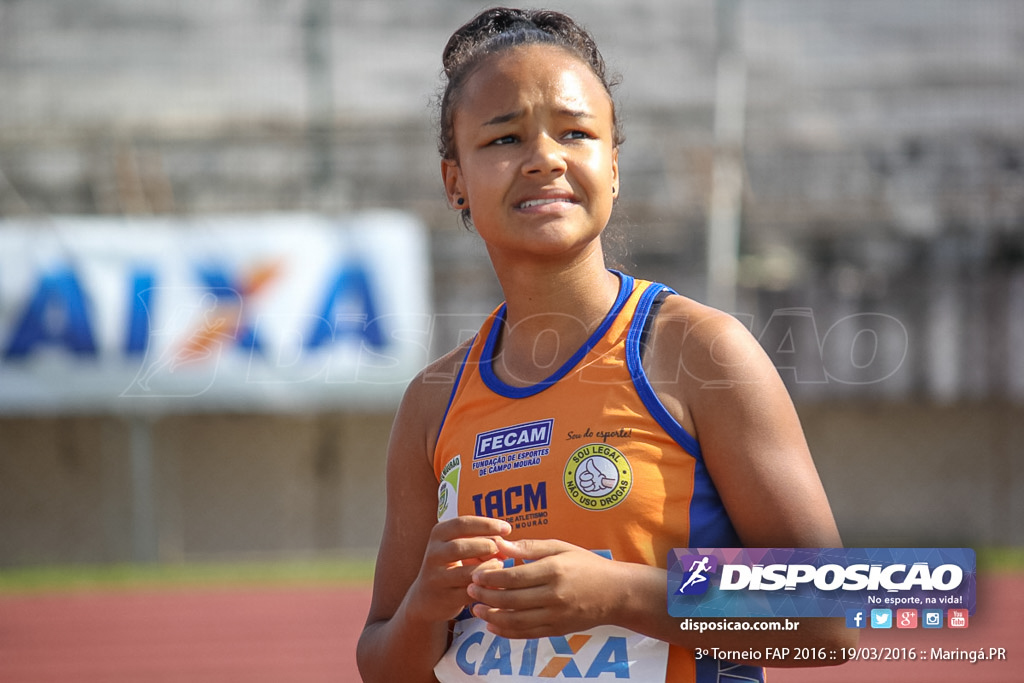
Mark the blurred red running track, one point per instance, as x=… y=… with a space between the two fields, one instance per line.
x=279 y=635
x=308 y=635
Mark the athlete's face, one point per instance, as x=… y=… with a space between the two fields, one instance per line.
x=537 y=164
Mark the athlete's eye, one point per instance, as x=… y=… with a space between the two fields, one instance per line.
x=578 y=135
x=504 y=140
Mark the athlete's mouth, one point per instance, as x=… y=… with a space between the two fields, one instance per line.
x=541 y=202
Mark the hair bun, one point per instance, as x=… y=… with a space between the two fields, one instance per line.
x=518 y=25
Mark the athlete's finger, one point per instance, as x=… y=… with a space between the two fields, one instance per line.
x=509 y=599
x=470 y=551
x=533 y=548
x=467 y=526
x=506 y=578
x=528 y=623
x=467 y=539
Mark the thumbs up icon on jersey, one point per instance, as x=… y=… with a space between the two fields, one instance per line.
x=592 y=480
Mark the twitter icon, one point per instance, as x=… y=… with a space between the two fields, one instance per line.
x=881 y=618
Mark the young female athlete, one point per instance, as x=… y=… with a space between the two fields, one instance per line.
x=539 y=475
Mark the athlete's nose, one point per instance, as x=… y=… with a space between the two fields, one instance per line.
x=545 y=156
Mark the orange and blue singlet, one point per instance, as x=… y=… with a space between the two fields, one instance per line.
x=589 y=456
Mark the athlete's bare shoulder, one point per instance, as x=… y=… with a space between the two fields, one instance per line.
x=704 y=343
x=693 y=348
x=426 y=398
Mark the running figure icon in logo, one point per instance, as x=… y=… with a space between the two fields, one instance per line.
x=696 y=582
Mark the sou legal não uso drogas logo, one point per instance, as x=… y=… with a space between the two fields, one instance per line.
x=813 y=582
x=597 y=477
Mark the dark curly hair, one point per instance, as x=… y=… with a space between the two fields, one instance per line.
x=498 y=29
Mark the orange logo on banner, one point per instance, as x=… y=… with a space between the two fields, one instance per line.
x=222 y=321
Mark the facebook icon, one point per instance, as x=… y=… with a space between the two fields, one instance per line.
x=856 y=618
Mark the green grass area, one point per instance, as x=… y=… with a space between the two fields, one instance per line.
x=1001 y=559
x=319 y=572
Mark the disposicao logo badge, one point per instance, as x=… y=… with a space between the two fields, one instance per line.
x=820 y=582
x=698 y=567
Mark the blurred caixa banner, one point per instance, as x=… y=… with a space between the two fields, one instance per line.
x=268 y=311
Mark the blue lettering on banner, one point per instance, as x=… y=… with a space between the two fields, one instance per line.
x=512 y=439
x=57 y=315
x=137 y=335
x=350 y=306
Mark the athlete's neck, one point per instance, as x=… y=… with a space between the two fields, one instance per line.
x=550 y=314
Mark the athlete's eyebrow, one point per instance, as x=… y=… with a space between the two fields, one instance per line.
x=576 y=113
x=504 y=118
x=513 y=115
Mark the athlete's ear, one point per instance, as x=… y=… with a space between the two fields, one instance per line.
x=615 y=172
x=454 y=186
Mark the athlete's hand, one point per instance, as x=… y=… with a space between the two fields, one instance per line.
x=562 y=589
x=456 y=548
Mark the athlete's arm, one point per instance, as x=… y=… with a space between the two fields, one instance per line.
x=723 y=388
x=423 y=567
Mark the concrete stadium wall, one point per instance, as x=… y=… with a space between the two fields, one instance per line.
x=921 y=475
x=259 y=486
x=224 y=486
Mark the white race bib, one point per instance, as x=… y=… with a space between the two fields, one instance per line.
x=602 y=653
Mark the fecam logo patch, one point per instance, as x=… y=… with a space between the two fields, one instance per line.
x=509 y=448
